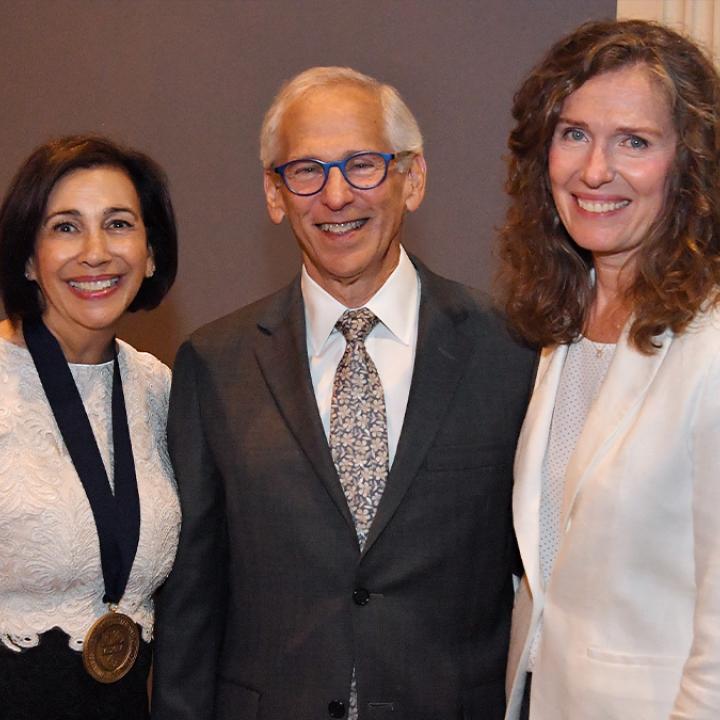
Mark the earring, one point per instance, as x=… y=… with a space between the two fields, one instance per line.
x=27 y=275
x=150 y=273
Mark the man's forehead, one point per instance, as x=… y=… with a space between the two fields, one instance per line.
x=342 y=94
x=333 y=119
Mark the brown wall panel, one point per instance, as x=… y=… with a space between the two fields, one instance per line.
x=188 y=81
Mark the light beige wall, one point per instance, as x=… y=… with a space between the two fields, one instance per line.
x=698 y=18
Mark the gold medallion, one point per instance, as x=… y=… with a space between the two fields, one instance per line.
x=111 y=647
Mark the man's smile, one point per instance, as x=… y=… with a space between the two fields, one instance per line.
x=342 y=227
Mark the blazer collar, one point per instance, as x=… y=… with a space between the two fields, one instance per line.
x=281 y=351
x=627 y=381
x=440 y=360
x=529 y=457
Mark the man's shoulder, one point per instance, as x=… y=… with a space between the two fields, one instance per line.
x=466 y=305
x=460 y=294
x=235 y=328
x=473 y=314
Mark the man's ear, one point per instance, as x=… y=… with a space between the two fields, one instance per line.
x=273 y=197
x=415 y=179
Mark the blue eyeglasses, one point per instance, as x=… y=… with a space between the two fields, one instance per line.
x=362 y=171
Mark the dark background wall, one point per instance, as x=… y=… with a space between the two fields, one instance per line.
x=188 y=81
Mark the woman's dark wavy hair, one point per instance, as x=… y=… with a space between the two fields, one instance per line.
x=23 y=208
x=544 y=275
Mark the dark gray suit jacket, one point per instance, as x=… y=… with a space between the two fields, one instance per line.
x=271 y=603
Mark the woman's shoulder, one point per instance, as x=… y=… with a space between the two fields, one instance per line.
x=699 y=343
x=705 y=326
x=143 y=363
x=16 y=365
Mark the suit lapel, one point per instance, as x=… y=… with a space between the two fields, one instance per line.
x=281 y=351
x=629 y=376
x=628 y=379
x=440 y=360
x=529 y=458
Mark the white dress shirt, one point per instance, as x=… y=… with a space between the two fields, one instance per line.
x=391 y=343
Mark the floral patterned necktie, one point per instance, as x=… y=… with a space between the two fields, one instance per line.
x=358 y=424
x=358 y=434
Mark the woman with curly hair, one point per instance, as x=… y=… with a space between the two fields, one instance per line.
x=611 y=263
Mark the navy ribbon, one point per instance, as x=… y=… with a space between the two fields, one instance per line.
x=117 y=517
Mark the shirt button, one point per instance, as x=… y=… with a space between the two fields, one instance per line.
x=336 y=709
x=361 y=596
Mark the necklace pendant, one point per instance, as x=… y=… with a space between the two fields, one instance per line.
x=111 y=647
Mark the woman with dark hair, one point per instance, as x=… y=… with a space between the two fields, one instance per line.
x=611 y=263
x=89 y=516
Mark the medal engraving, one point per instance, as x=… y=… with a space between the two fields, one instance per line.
x=111 y=647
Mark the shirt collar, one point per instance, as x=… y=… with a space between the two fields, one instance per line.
x=394 y=304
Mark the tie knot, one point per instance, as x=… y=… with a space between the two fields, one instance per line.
x=356 y=324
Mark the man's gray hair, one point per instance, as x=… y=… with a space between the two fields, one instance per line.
x=401 y=128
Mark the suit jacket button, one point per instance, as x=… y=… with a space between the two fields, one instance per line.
x=361 y=596
x=336 y=709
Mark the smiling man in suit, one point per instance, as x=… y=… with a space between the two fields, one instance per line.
x=343 y=450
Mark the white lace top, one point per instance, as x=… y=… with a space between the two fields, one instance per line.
x=50 y=572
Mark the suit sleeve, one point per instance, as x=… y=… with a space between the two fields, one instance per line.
x=190 y=607
x=699 y=694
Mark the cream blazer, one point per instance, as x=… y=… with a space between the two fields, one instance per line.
x=631 y=615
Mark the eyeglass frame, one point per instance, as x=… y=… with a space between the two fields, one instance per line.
x=341 y=165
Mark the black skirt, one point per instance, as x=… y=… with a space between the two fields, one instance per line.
x=49 y=682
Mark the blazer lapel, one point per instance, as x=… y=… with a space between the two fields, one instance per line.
x=440 y=360
x=626 y=384
x=529 y=459
x=281 y=351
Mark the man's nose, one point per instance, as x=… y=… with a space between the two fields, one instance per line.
x=337 y=191
x=598 y=167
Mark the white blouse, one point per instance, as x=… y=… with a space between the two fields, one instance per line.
x=50 y=571
x=585 y=368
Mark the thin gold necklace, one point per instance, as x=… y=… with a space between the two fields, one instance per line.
x=598 y=348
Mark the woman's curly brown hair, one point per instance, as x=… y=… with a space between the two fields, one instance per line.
x=545 y=277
